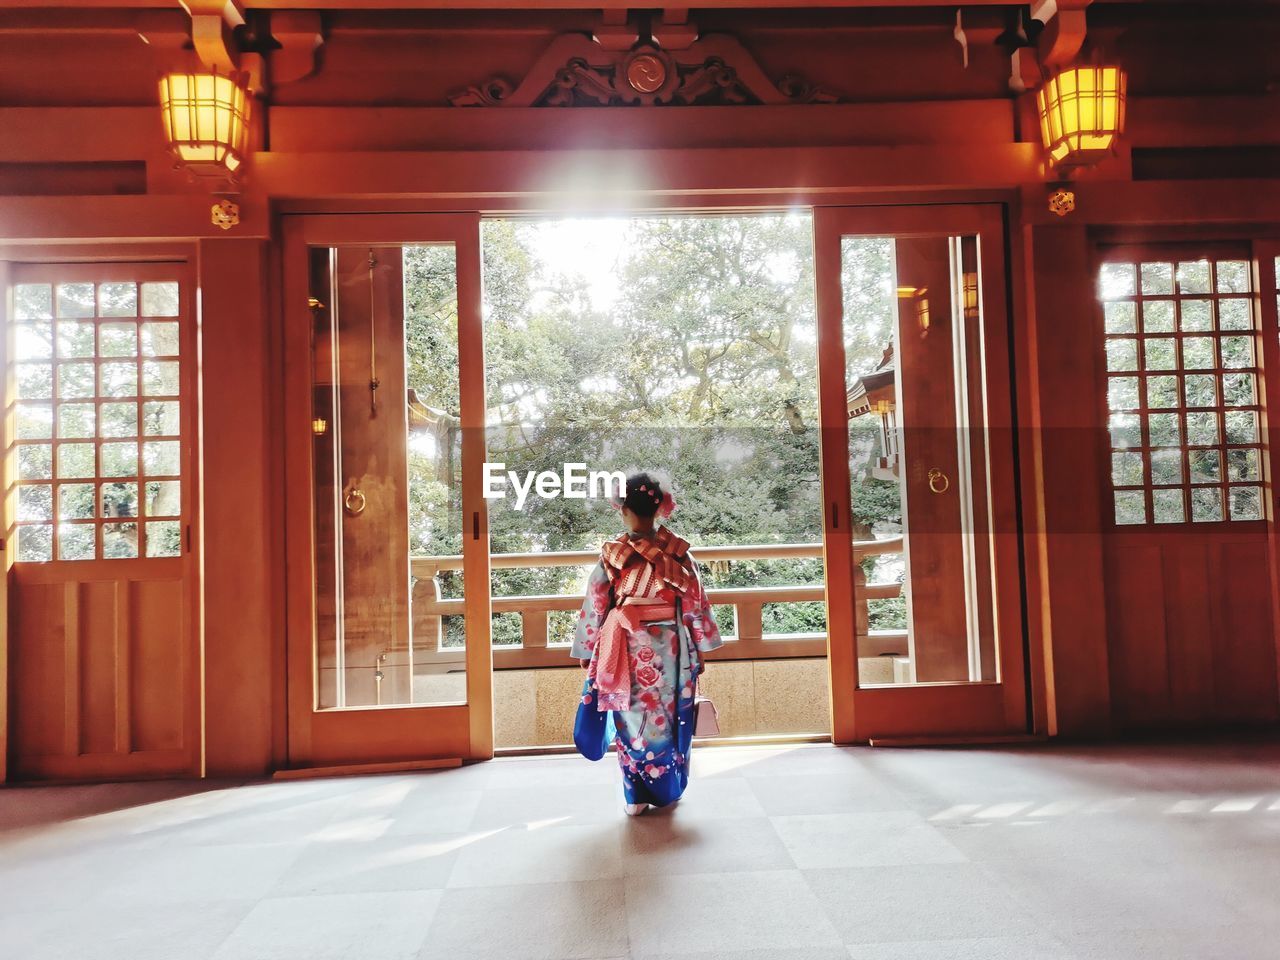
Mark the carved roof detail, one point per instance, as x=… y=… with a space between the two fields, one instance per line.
x=575 y=70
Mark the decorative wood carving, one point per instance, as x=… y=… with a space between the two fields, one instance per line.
x=575 y=71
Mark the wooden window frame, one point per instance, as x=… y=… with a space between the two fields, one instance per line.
x=1173 y=254
x=97 y=274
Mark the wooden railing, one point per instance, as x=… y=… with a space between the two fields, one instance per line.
x=749 y=642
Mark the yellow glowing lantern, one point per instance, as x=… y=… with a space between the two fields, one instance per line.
x=206 y=120
x=1081 y=114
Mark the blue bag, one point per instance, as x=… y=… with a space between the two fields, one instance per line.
x=591 y=727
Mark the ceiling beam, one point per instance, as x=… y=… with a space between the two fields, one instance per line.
x=1064 y=29
x=523 y=5
x=212 y=23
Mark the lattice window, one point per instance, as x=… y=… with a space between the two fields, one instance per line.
x=97 y=425
x=1182 y=363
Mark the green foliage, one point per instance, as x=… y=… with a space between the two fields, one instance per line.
x=703 y=366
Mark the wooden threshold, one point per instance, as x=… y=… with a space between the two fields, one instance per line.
x=765 y=740
x=959 y=740
x=355 y=769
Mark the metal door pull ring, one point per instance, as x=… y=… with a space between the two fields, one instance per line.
x=354 y=502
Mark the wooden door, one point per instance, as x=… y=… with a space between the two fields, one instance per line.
x=100 y=440
x=922 y=539
x=1187 y=352
x=387 y=534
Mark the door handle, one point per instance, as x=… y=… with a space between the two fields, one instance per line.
x=354 y=501
x=939 y=482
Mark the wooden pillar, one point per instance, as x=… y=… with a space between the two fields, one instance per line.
x=240 y=529
x=8 y=503
x=1267 y=257
x=1064 y=522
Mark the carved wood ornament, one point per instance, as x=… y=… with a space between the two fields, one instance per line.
x=689 y=69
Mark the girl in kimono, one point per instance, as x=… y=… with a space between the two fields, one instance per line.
x=644 y=602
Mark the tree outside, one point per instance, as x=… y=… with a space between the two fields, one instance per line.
x=681 y=344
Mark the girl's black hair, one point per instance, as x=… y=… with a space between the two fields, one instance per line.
x=644 y=495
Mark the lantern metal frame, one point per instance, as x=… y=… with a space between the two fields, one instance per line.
x=1082 y=112
x=206 y=121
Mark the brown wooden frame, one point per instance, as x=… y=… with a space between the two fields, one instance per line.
x=1266 y=278
x=382 y=734
x=922 y=709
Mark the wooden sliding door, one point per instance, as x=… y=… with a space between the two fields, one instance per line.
x=99 y=435
x=384 y=435
x=922 y=538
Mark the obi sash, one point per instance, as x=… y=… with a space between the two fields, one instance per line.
x=638 y=569
x=613 y=657
x=642 y=567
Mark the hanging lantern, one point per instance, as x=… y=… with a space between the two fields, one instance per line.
x=1081 y=113
x=206 y=120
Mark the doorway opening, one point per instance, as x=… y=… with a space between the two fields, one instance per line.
x=685 y=345
x=803 y=395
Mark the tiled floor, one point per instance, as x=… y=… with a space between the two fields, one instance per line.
x=801 y=853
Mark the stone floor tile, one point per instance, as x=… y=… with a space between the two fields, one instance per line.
x=703 y=913
x=349 y=926
x=863 y=840
x=921 y=902
x=550 y=921
x=539 y=855
x=665 y=844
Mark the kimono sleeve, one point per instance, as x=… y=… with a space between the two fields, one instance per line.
x=595 y=607
x=698 y=619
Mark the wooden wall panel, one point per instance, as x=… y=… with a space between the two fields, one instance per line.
x=100 y=676
x=93 y=629
x=157 y=664
x=1190 y=630
x=1189 y=659
x=41 y=673
x=1244 y=652
x=1136 y=635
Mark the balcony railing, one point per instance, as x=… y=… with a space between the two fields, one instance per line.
x=749 y=641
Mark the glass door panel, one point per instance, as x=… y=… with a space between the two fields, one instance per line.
x=917 y=458
x=388 y=498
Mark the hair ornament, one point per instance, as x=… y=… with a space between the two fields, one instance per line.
x=668 y=506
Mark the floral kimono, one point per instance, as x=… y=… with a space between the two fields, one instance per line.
x=632 y=592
